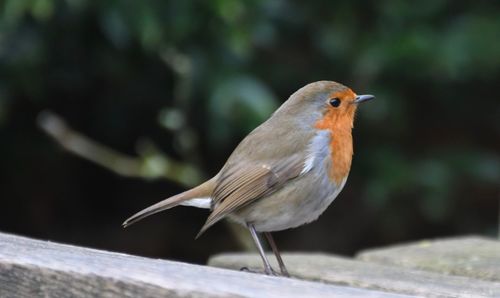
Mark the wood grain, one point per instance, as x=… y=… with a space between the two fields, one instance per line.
x=33 y=268
x=471 y=256
x=342 y=271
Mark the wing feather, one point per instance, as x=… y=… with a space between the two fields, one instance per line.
x=242 y=183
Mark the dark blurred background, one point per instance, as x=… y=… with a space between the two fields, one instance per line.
x=109 y=106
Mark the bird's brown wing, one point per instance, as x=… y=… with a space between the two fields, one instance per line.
x=242 y=183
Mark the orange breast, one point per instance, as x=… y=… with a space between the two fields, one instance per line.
x=339 y=123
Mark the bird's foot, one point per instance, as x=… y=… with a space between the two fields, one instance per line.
x=267 y=271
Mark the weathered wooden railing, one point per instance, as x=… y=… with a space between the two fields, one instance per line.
x=460 y=267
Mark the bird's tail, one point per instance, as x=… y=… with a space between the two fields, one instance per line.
x=198 y=195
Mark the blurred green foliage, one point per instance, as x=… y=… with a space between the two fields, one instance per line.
x=196 y=76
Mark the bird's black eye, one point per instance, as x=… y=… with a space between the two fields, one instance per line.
x=335 y=102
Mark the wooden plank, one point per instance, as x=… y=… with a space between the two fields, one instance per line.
x=33 y=268
x=471 y=256
x=336 y=270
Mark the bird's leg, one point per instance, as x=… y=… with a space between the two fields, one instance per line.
x=267 y=266
x=274 y=247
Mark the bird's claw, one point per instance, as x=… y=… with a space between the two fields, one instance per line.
x=267 y=271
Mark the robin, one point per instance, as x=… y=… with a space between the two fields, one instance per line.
x=286 y=172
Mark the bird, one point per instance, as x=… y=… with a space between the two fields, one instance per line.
x=284 y=173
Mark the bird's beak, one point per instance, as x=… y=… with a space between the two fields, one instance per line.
x=363 y=98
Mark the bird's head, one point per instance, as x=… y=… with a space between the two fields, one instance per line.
x=325 y=105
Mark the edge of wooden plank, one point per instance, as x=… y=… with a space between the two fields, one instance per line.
x=470 y=256
x=342 y=271
x=32 y=267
